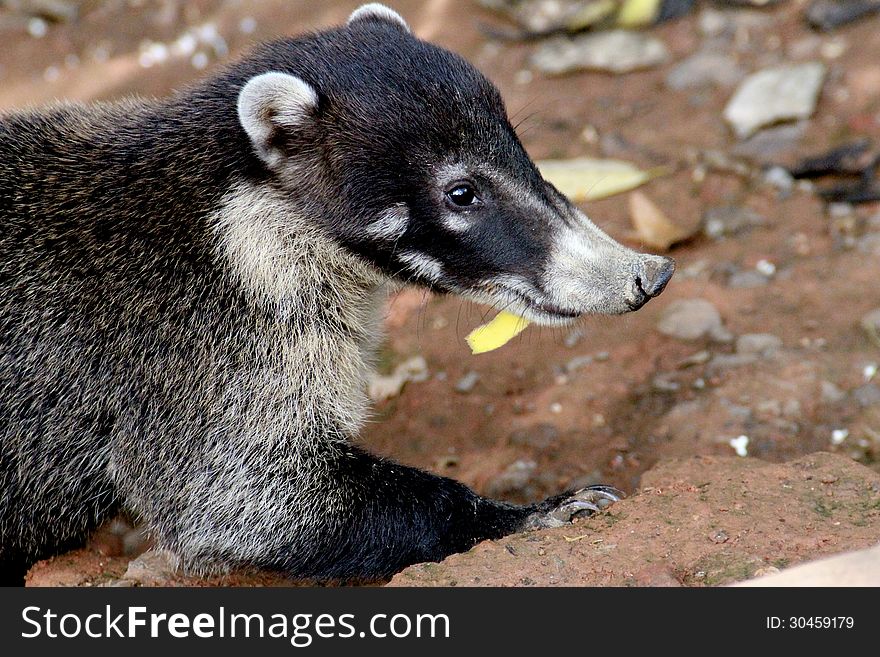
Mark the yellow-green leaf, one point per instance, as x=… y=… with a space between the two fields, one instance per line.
x=590 y=179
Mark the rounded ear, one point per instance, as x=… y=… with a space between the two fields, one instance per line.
x=271 y=104
x=377 y=12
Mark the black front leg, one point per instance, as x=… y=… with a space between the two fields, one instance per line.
x=395 y=516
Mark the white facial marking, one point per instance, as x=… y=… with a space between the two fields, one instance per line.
x=390 y=224
x=377 y=10
x=280 y=256
x=456 y=223
x=423 y=265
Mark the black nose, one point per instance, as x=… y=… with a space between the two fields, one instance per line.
x=655 y=274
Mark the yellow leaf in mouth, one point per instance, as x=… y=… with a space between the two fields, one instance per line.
x=496 y=333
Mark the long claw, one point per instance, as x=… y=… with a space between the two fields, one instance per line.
x=592 y=499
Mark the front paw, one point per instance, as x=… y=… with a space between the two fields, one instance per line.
x=559 y=510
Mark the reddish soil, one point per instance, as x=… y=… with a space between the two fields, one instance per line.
x=699 y=521
x=611 y=419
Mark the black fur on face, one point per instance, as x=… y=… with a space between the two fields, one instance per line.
x=402 y=129
x=406 y=156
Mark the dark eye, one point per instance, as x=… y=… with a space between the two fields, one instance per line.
x=463 y=195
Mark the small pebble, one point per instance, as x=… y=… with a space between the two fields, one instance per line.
x=52 y=74
x=199 y=60
x=766 y=570
x=247 y=25
x=184 y=46
x=692 y=319
x=833 y=49
x=839 y=435
x=540 y=435
x=523 y=76
x=573 y=338
x=871 y=324
x=724 y=221
x=779 y=178
x=514 y=480
x=762 y=344
x=664 y=385
x=840 y=210
x=577 y=363
x=867 y=395
x=747 y=279
x=466 y=383
x=831 y=394
x=719 y=536
x=740 y=445
x=766 y=268
x=37 y=28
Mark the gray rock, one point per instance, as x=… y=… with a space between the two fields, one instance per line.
x=514 y=480
x=760 y=344
x=871 y=323
x=869 y=244
x=703 y=69
x=831 y=394
x=779 y=178
x=466 y=383
x=792 y=409
x=699 y=358
x=771 y=144
x=577 y=363
x=152 y=567
x=840 y=210
x=692 y=319
x=867 y=395
x=573 y=338
x=737 y=412
x=614 y=51
x=662 y=383
x=730 y=220
x=805 y=47
x=722 y=362
x=717 y=23
x=540 y=435
x=773 y=95
x=747 y=279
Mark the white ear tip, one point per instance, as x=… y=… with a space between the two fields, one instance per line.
x=272 y=100
x=287 y=96
x=378 y=11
